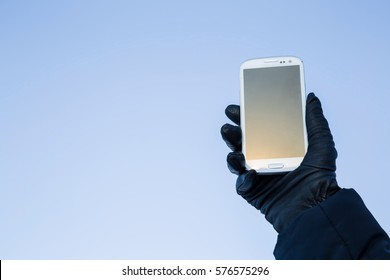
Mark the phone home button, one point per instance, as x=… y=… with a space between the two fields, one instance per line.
x=275 y=165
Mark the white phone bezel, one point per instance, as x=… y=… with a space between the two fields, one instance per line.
x=274 y=165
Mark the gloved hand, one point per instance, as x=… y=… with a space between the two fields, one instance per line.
x=283 y=197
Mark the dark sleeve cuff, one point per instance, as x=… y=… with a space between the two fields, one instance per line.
x=341 y=227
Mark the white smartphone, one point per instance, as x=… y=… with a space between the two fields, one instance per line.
x=273 y=100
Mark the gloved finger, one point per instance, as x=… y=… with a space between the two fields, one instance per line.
x=233 y=113
x=236 y=163
x=231 y=134
x=247 y=186
x=321 y=152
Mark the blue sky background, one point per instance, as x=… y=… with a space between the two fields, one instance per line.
x=110 y=114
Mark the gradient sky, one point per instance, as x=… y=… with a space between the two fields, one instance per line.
x=110 y=113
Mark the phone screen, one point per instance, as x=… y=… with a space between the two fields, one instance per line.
x=273 y=113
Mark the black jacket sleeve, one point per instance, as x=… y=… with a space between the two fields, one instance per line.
x=341 y=227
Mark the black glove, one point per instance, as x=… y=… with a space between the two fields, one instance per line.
x=283 y=197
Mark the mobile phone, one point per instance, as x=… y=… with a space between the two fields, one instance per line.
x=273 y=100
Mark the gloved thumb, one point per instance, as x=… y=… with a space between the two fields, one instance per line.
x=321 y=152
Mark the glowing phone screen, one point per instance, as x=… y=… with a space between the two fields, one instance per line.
x=273 y=113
